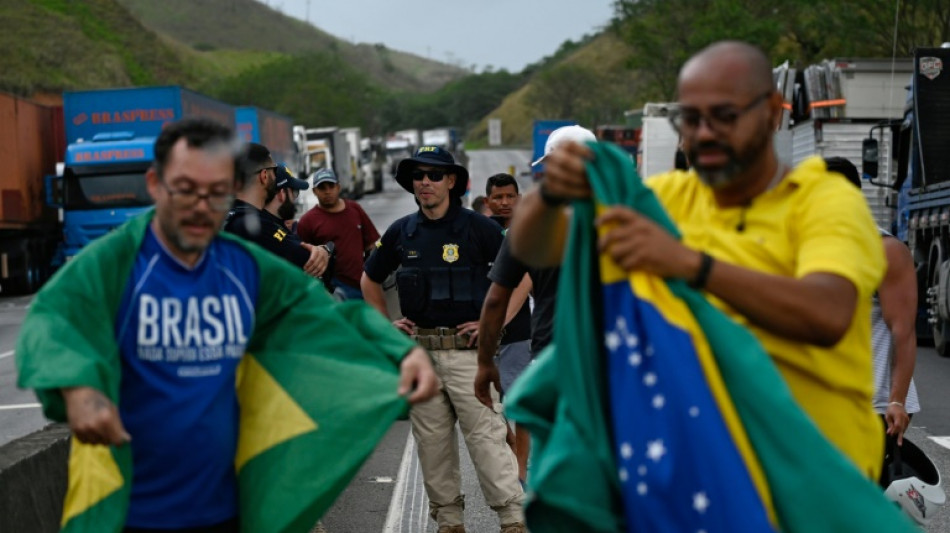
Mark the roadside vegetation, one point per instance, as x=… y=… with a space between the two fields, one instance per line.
x=255 y=55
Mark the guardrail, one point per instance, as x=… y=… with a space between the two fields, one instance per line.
x=33 y=480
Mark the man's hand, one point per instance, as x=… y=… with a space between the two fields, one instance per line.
x=417 y=378
x=471 y=330
x=405 y=325
x=93 y=418
x=485 y=377
x=635 y=242
x=565 y=176
x=897 y=421
x=319 y=259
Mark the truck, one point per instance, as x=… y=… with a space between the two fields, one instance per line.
x=922 y=184
x=328 y=148
x=110 y=134
x=32 y=141
x=856 y=96
x=541 y=130
x=274 y=131
x=447 y=138
x=359 y=164
x=412 y=136
x=658 y=140
x=626 y=137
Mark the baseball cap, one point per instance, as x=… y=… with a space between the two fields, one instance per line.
x=324 y=175
x=286 y=179
x=563 y=135
x=435 y=156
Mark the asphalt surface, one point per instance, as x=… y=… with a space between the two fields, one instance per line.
x=387 y=494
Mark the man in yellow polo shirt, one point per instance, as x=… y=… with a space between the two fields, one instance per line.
x=791 y=253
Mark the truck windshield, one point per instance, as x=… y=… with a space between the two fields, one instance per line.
x=100 y=190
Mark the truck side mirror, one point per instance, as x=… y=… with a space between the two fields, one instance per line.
x=869 y=158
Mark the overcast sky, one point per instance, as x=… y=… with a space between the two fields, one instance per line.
x=502 y=33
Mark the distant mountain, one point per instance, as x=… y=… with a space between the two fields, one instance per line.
x=212 y=26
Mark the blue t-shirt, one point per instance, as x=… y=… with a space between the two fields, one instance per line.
x=182 y=332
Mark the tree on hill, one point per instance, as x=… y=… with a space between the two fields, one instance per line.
x=664 y=33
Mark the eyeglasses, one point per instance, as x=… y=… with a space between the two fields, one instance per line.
x=720 y=119
x=188 y=199
x=434 y=175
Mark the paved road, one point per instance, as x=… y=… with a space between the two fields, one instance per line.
x=19 y=412
x=387 y=494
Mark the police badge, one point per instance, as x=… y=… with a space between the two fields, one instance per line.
x=450 y=253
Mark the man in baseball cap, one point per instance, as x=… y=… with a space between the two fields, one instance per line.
x=283 y=205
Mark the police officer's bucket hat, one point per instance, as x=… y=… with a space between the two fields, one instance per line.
x=435 y=156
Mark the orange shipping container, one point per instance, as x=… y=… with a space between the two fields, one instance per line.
x=31 y=142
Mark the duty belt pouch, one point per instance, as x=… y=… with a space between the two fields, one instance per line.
x=413 y=292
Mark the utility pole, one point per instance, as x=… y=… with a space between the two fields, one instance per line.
x=308 y=13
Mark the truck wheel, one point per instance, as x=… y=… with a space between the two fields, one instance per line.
x=937 y=298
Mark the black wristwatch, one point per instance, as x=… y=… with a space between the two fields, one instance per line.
x=549 y=199
x=329 y=247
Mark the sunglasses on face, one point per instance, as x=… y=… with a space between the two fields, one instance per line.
x=434 y=175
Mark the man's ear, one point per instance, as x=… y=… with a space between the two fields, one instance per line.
x=152 y=182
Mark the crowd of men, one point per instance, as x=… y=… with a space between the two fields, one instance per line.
x=481 y=303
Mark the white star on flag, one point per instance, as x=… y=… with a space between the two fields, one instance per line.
x=641 y=488
x=612 y=341
x=649 y=351
x=700 y=502
x=694 y=411
x=649 y=379
x=623 y=475
x=659 y=401
x=642 y=470
x=656 y=450
x=634 y=359
x=626 y=451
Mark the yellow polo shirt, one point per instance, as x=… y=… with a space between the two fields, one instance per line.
x=810 y=222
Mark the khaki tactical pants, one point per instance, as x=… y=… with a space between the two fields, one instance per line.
x=484 y=430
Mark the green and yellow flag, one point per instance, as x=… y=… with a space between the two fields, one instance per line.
x=317 y=387
x=653 y=411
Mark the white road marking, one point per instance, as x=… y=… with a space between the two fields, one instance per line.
x=942 y=441
x=19 y=406
x=398 y=502
x=409 y=507
x=6 y=354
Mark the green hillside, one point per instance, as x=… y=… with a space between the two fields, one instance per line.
x=248 y=25
x=52 y=45
x=591 y=85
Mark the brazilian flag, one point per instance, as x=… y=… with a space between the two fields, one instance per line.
x=653 y=411
x=316 y=388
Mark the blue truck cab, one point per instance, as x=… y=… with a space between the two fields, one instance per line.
x=103 y=186
x=110 y=135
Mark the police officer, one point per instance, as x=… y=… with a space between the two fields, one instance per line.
x=441 y=255
x=248 y=219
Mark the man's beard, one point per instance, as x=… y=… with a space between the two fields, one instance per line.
x=736 y=164
x=271 y=191
x=287 y=210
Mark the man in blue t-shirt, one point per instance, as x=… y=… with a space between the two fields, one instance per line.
x=184 y=320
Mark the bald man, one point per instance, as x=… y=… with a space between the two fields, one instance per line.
x=792 y=253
